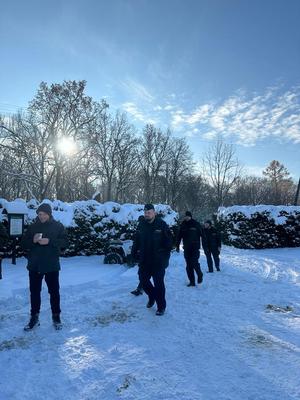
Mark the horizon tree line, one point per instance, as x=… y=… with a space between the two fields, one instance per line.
x=69 y=147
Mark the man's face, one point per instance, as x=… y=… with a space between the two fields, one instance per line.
x=43 y=217
x=149 y=215
x=206 y=225
x=187 y=218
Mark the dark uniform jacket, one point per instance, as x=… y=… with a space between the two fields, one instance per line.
x=44 y=258
x=212 y=240
x=153 y=244
x=190 y=232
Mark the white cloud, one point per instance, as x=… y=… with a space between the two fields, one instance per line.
x=200 y=114
x=137 y=90
x=247 y=118
x=169 y=107
x=132 y=109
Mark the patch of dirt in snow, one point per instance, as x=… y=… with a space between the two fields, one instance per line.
x=128 y=380
x=118 y=315
x=15 y=343
x=284 y=309
x=262 y=339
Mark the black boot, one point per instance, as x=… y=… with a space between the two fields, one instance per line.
x=190 y=284
x=150 y=303
x=34 y=321
x=137 y=291
x=56 y=321
x=200 y=278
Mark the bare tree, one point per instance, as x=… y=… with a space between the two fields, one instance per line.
x=152 y=159
x=115 y=154
x=195 y=196
x=63 y=111
x=222 y=170
x=179 y=165
x=251 y=190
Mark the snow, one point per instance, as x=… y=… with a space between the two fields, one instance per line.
x=17 y=206
x=235 y=337
x=274 y=211
x=110 y=212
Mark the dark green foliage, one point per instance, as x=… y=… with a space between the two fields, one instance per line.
x=260 y=230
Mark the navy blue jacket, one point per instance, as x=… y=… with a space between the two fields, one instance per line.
x=212 y=240
x=153 y=243
x=191 y=233
x=44 y=258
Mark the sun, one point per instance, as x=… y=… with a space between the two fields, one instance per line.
x=66 y=146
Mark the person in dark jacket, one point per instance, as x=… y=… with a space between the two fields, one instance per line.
x=3 y=239
x=191 y=233
x=212 y=246
x=43 y=241
x=153 y=242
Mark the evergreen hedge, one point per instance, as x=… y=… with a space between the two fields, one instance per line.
x=259 y=227
x=91 y=225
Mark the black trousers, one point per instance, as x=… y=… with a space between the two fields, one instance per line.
x=192 y=264
x=35 y=285
x=157 y=290
x=215 y=254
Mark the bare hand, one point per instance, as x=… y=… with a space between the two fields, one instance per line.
x=43 y=241
x=36 y=238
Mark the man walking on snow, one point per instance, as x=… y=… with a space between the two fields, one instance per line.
x=212 y=245
x=43 y=240
x=191 y=233
x=153 y=243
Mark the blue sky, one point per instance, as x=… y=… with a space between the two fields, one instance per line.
x=204 y=68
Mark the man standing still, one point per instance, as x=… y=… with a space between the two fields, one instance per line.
x=43 y=240
x=153 y=242
x=212 y=246
x=191 y=233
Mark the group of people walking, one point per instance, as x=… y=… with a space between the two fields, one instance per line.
x=152 y=245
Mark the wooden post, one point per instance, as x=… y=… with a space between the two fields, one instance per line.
x=14 y=252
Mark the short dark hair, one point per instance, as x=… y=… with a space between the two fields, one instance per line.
x=149 y=206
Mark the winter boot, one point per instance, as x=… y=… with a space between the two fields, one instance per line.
x=190 y=284
x=150 y=303
x=200 y=278
x=34 y=321
x=160 y=312
x=56 y=321
x=137 y=291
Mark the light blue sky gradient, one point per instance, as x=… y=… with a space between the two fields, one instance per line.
x=202 y=68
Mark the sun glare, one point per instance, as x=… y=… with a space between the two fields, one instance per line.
x=66 y=146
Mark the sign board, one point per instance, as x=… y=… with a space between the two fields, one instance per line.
x=16 y=224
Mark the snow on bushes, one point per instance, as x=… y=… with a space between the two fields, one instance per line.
x=258 y=227
x=90 y=225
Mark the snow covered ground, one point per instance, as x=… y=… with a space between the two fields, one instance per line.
x=235 y=337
